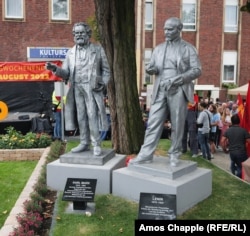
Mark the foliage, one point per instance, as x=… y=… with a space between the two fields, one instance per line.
x=93 y=25
x=14 y=139
x=31 y=221
x=229 y=85
x=31 y=205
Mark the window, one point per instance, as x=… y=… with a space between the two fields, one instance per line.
x=147 y=57
x=14 y=9
x=189 y=15
x=229 y=67
x=231 y=16
x=60 y=10
x=148 y=14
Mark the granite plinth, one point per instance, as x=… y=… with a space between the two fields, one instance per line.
x=190 y=187
x=87 y=157
x=58 y=173
x=161 y=167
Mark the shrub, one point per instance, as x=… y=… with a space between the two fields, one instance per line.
x=32 y=205
x=14 y=139
x=31 y=221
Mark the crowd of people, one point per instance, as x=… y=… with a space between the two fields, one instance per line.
x=206 y=132
x=214 y=121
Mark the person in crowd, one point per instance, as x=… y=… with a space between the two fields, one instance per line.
x=166 y=133
x=214 y=122
x=203 y=121
x=229 y=105
x=234 y=139
x=175 y=64
x=211 y=101
x=206 y=100
x=224 y=106
x=234 y=109
x=219 y=128
x=190 y=135
x=142 y=104
x=57 y=112
x=145 y=120
x=86 y=68
x=226 y=120
x=217 y=101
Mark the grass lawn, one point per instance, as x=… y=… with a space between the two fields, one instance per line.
x=230 y=199
x=13 y=178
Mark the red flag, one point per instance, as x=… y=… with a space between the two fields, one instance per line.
x=195 y=104
x=196 y=98
x=246 y=117
x=240 y=108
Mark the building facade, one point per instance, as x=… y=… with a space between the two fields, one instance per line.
x=218 y=29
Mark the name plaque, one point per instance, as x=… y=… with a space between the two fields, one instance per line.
x=155 y=206
x=79 y=190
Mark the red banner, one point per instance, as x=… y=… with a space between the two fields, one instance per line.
x=26 y=72
x=240 y=108
x=246 y=115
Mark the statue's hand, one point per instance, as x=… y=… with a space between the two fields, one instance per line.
x=99 y=88
x=177 y=81
x=172 y=83
x=152 y=70
x=50 y=66
x=98 y=84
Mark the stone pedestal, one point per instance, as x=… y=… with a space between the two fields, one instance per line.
x=189 y=183
x=87 y=157
x=86 y=166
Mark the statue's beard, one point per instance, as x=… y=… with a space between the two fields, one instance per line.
x=82 y=41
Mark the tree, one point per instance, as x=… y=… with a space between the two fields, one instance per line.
x=116 y=25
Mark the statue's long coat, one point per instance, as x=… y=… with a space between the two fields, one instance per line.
x=98 y=68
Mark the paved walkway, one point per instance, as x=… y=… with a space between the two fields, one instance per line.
x=222 y=160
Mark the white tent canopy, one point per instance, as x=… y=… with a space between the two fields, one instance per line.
x=242 y=90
